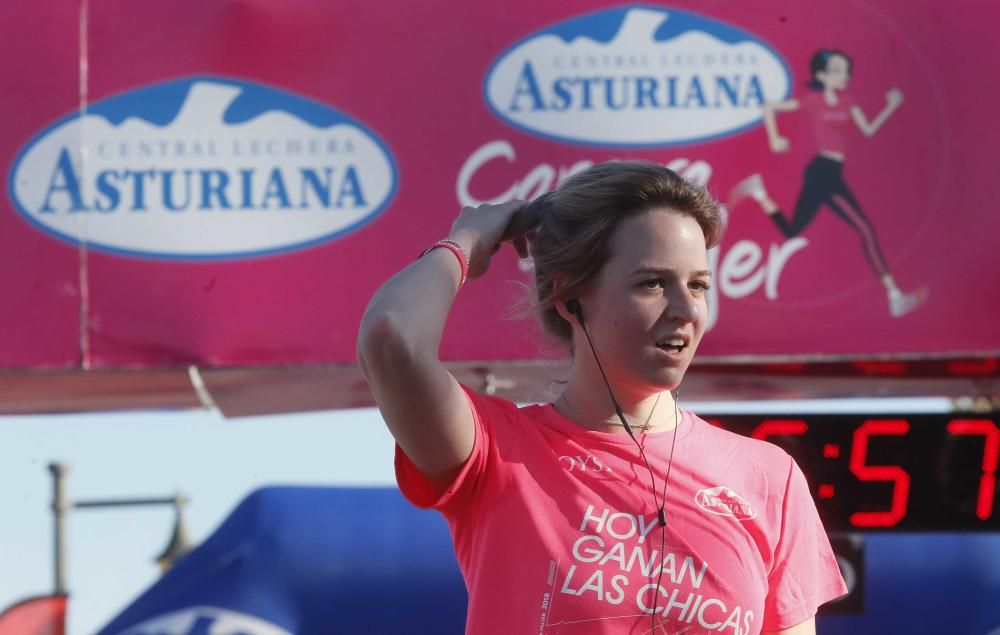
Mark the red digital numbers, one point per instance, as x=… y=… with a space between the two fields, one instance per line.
x=991 y=455
x=888 y=473
x=779 y=427
x=880 y=455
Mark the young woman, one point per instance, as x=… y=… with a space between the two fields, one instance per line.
x=609 y=510
x=831 y=110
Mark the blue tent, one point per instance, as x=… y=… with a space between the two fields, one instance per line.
x=310 y=560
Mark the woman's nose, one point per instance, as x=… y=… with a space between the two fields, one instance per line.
x=683 y=306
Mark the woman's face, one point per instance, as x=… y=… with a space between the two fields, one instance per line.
x=649 y=296
x=837 y=73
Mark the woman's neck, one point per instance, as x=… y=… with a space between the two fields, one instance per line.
x=589 y=405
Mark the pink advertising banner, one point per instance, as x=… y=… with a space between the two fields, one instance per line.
x=225 y=184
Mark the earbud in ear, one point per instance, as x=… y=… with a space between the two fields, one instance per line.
x=574 y=307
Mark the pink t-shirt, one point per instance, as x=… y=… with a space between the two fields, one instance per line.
x=831 y=124
x=556 y=532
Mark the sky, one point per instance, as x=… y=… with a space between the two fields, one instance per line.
x=213 y=461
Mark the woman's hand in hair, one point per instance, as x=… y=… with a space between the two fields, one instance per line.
x=481 y=231
x=894 y=98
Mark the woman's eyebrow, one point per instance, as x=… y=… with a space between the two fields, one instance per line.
x=661 y=271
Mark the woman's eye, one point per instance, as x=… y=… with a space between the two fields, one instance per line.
x=701 y=286
x=654 y=283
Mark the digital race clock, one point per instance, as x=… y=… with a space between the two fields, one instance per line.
x=911 y=472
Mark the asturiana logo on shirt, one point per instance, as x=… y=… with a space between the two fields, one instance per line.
x=205 y=619
x=636 y=76
x=725 y=502
x=203 y=167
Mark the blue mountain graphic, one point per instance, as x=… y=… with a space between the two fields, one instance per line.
x=603 y=25
x=160 y=103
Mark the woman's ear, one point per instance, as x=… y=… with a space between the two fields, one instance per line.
x=563 y=311
x=562 y=298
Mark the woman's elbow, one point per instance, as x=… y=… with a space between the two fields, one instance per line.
x=385 y=344
x=377 y=335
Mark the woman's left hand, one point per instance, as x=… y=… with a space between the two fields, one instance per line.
x=894 y=97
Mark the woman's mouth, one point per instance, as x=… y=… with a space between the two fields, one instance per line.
x=673 y=344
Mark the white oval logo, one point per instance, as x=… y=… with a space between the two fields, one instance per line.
x=208 y=620
x=636 y=76
x=724 y=502
x=203 y=168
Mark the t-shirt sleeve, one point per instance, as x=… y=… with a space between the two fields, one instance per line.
x=421 y=492
x=804 y=572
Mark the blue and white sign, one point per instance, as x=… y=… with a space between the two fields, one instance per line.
x=636 y=76
x=208 y=620
x=203 y=167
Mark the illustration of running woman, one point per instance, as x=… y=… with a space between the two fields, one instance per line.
x=831 y=109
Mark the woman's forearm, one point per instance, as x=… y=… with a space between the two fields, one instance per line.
x=770 y=123
x=882 y=118
x=893 y=99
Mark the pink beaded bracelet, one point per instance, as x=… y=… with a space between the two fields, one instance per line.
x=455 y=248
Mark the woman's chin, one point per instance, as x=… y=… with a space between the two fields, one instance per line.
x=667 y=378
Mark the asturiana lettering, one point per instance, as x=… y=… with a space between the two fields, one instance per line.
x=205 y=189
x=639 y=92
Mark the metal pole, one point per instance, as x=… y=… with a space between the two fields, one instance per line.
x=124 y=502
x=59 y=507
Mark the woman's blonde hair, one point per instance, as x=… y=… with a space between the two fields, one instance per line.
x=570 y=245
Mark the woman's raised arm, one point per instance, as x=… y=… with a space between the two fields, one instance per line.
x=893 y=99
x=422 y=404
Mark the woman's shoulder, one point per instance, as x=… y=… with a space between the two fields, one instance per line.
x=712 y=428
x=763 y=455
x=481 y=397
x=502 y=414
x=811 y=97
x=491 y=410
x=848 y=99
